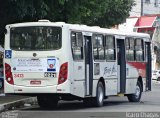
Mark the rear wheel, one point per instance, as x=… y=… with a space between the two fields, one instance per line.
x=47 y=101
x=99 y=95
x=98 y=100
x=137 y=95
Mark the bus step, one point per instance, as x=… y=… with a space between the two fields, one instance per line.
x=120 y=94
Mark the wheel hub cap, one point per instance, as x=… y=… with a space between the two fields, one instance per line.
x=100 y=94
x=137 y=94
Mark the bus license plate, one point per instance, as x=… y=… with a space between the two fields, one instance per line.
x=53 y=75
x=35 y=82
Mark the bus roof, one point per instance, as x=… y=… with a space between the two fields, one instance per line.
x=83 y=28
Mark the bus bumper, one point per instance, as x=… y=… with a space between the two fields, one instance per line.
x=36 y=89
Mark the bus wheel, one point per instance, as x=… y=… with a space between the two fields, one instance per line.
x=47 y=101
x=137 y=95
x=99 y=95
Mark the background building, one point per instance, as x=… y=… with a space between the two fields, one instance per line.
x=145 y=7
x=136 y=10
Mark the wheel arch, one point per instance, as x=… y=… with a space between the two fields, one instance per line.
x=141 y=81
x=101 y=79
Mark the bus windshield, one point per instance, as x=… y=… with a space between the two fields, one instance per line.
x=35 y=38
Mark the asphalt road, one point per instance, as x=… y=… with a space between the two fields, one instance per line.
x=114 y=107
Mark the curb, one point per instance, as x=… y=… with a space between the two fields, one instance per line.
x=17 y=104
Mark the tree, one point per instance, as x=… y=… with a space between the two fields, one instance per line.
x=116 y=12
x=91 y=12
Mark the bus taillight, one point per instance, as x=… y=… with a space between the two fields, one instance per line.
x=8 y=73
x=63 y=73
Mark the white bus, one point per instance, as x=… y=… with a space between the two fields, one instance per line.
x=58 y=61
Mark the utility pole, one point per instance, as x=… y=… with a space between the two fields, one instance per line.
x=141 y=7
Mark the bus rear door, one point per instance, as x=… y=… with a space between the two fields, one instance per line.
x=88 y=64
x=148 y=67
x=121 y=62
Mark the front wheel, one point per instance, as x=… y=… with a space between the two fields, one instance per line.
x=137 y=95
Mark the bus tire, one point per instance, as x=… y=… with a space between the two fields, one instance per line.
x=137 y=95
x=98 y=100
x=47 y=101
x=99 y=95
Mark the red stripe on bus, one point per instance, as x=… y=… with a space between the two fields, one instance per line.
x=140 y=66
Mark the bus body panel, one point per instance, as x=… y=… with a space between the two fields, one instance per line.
x=131 y=85
x=109 y=73
x=8 y=88
x=111 y=87
x=28 y=69
x=78 y=77
x=79 y=88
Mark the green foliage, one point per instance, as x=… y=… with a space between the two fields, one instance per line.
x=116 y=12
x=91 y=12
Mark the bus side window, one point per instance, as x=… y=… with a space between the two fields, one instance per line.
x=130 y=49
x=110 y=48
x=139 y=49
x=98 y=47
x=77 y=45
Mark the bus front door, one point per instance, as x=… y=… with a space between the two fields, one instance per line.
x=149 y=66
x=121 y=65
x=88 y=66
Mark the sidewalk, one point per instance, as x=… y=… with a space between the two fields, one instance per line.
x=8 y=102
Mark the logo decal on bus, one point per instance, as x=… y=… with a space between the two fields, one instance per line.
x=34 y=54
x=110 y=71
x=8 y=54
x=51 y=64
x=14 y=68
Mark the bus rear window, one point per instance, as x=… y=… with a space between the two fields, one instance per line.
x=36 y=38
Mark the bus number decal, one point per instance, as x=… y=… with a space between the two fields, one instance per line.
x=53 y=75
x=18 y=75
